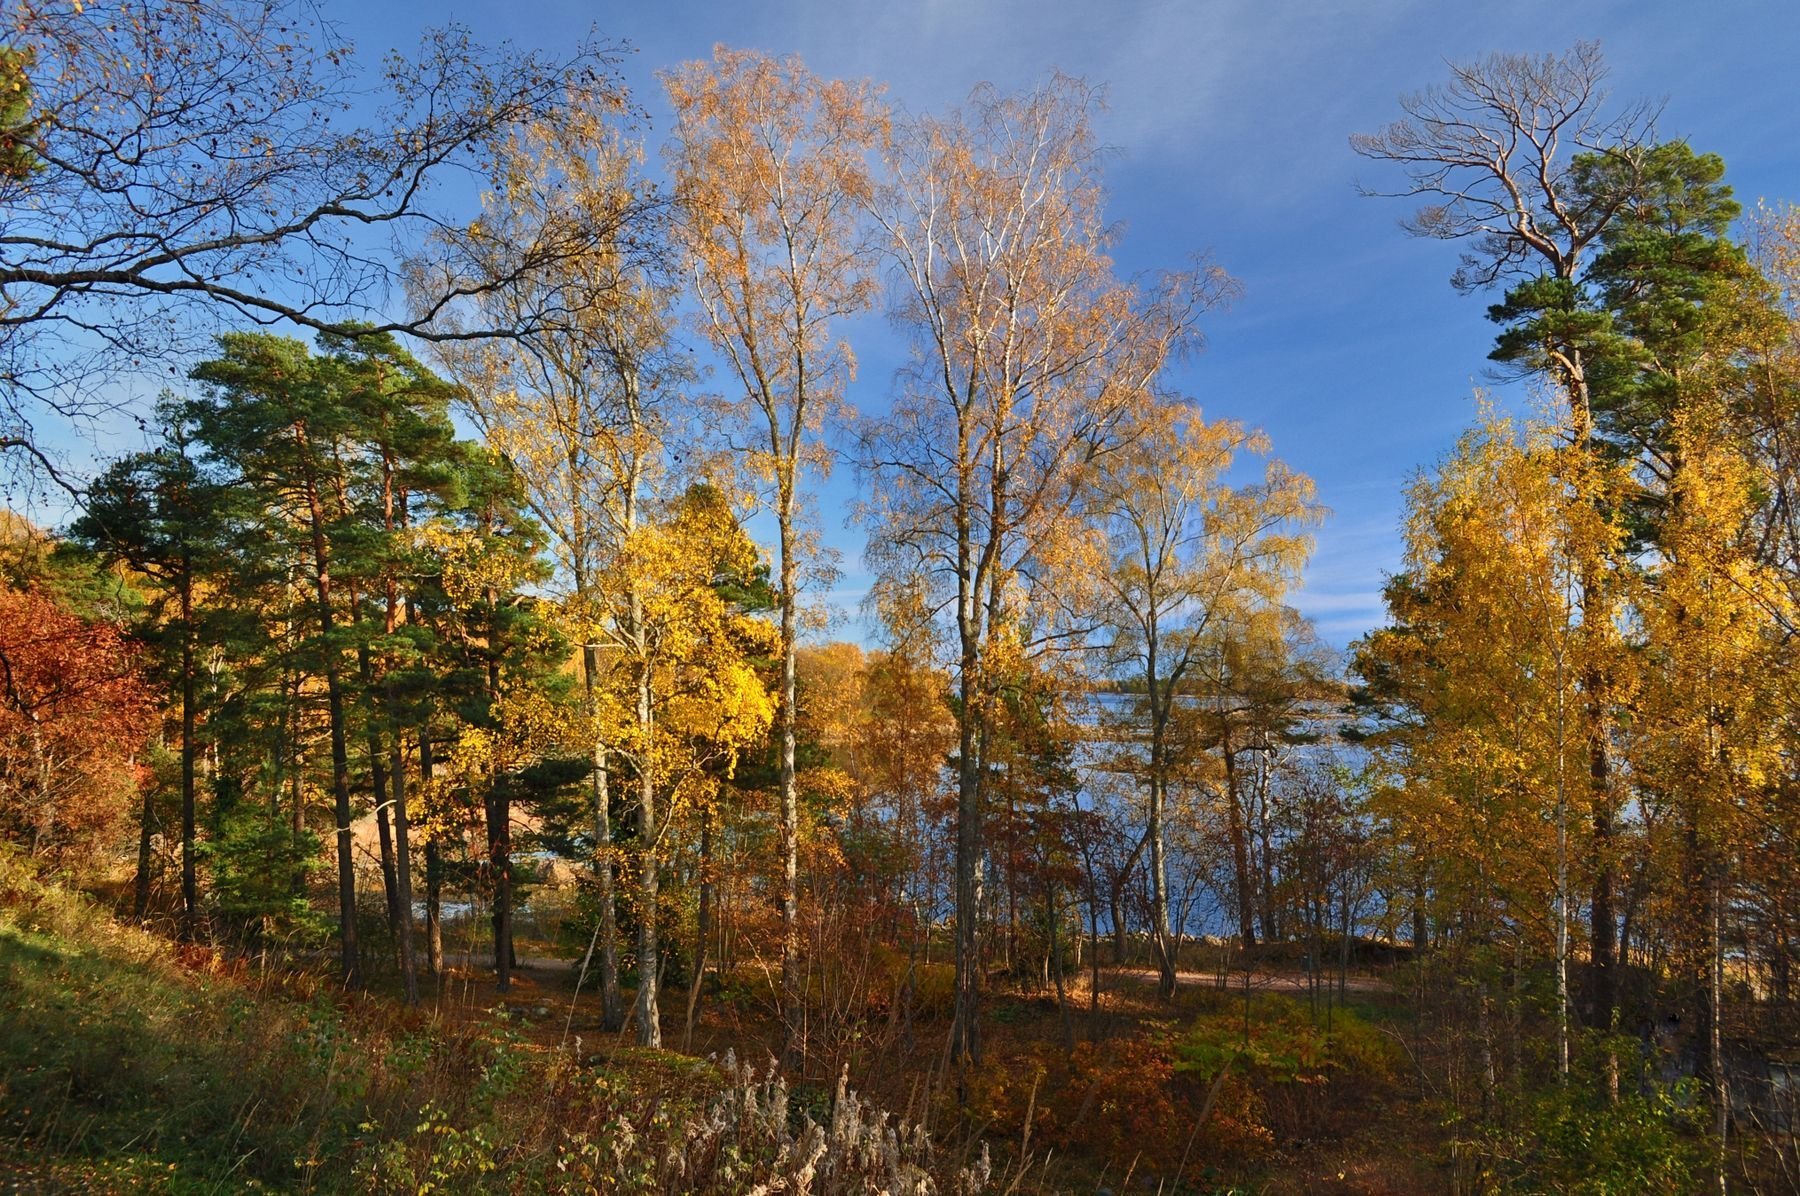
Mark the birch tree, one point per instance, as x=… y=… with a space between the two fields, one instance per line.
x=1188 y=555
x=1028 y=353
x=580 y=406
x=772 y=174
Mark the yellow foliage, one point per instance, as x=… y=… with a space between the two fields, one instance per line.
x=1508 y=548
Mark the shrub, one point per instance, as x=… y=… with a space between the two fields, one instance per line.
x=1581 y=1143
x=1282 y=1042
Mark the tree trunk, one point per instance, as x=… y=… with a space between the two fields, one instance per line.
x=384 y=834
x=612 y=1005
x=499 y=832
x=140 y=899
x=340 y=793
x=1240 y=845
x=1603 y=927
x=1116 y=900
x=965 y=1031
x=649 y=1009
x=1421 y=930
x=1267 y=913
x=190 y=889
x=434 y=873
x=793 y=1018
x=1056 y=970
x=409 y=970
x=378 y=791
x=1159 y=896
x=340 y=749
x=1715 y=1038
x=702 y=928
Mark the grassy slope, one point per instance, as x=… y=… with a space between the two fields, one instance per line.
x=124 y=1064
x=127 y=1064
x=130 y=1065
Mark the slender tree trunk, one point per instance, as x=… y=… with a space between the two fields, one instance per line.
x=965 y=1033
x=1344 y=950
x=1240 y=845
x=297 y=802
x=190 y=888
x=649 y=1009
x=340 y=763
x=1715 y=1038
x=1485 y=1032
x=499 y=831
x=1158 y=702
x=434 y=871
x=409 y=971
x=340 y=792
x=793 y=1017
x=1603 y=925
x=1562 y=882
x=1056 y=970
x=612 y=1005
x=702 y=928
x=1116 y=899
x=1596 y=620
x=334 y=703
x=378 y=786
x=1159 y=895
x=1268 y=914
x=1012 y=964
x=1094 y=963
x=140 y=899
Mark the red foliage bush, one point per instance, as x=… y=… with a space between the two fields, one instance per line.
x=74 y=716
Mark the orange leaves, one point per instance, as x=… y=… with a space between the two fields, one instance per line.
x=74 y=714
x=1030 y=354
x=772 y=175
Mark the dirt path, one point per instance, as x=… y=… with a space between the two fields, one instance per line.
x=1259 y=981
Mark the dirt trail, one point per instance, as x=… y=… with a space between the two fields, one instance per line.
x=1261 y=980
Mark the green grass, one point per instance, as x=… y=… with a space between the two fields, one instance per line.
x=130 y=1065
x=122 y=1068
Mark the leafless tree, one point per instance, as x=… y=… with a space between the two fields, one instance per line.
x=184 y=165
x=1489 y=154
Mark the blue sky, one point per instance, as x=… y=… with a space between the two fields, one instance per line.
x=1230 y=121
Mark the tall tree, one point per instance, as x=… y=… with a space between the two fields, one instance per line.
x=583 y=407
x=495 y=666
x=1028 y=353
x=683 y=696
x=1520 y=156
x=772 y=175
x=1254 y=675
x=306 y=455
x=1190 y=555
x=1712 y=707
x=1487 y=651
x=408 y=444
x=270 y=427
x=156 y=512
